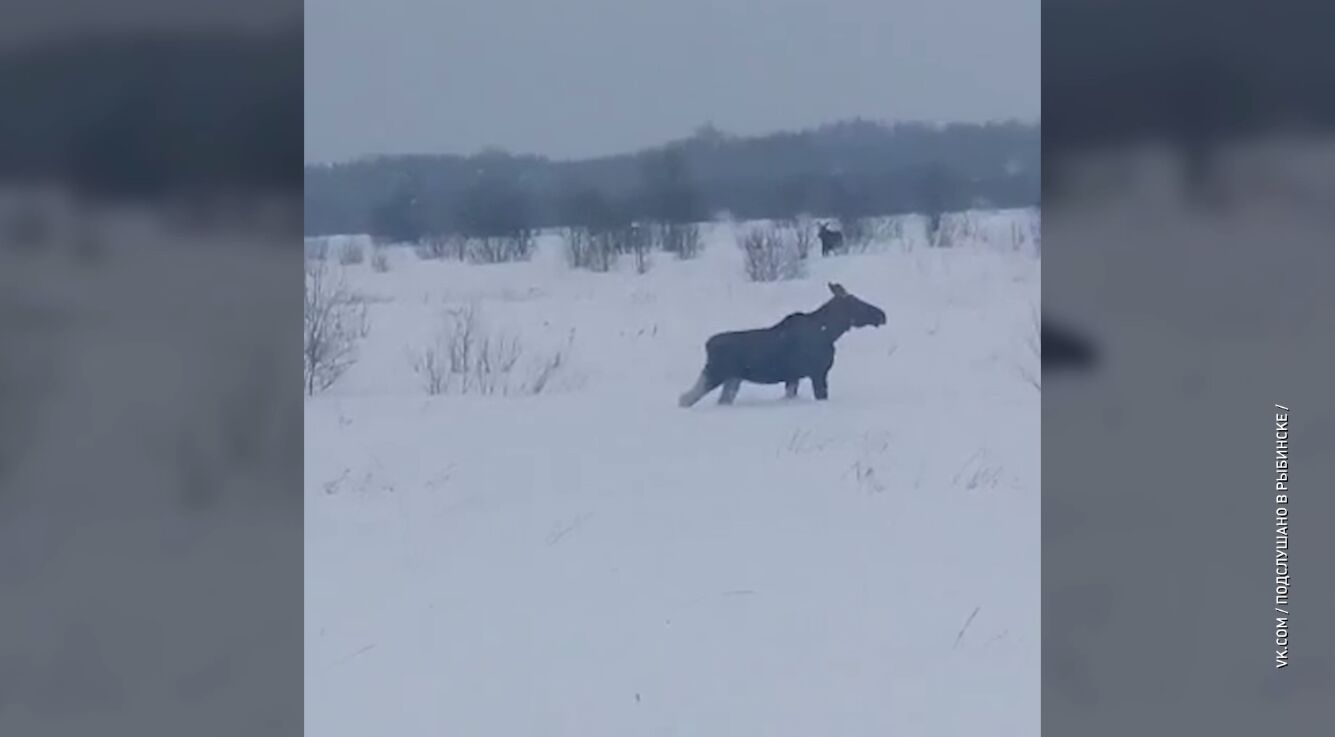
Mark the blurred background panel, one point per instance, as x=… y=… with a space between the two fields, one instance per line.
x=1189 y=169
x=150 y=426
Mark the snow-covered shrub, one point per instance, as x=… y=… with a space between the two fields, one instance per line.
x=351 y=254
x=599 y=249
x=500 y=249
x=437 y=247
x=586 y=249
x=803 y=232
x=335 y=322
x=467 y=357
x=682 y=239
x=771 y=254
x=858 y=232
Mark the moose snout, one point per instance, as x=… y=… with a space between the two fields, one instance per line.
x=879 y=318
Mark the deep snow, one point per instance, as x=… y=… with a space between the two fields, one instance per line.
x=595 y=560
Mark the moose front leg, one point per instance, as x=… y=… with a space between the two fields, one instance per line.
x=790 y=389
x=820 y=386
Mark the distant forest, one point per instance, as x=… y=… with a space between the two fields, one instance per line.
x=845 y=170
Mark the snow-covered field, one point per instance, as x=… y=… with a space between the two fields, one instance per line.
x=595 y=560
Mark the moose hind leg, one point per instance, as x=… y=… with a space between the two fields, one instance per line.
x=702 y=387
x=729 y=392
x=790 y=390
x=820 y=386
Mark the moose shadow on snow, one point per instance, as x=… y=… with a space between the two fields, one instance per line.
x=799 y=346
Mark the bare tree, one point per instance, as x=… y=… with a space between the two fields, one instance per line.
x=335 y=324
x=682 y=239
x=803 y=233
x=466 y=357
x=499 y=249
x=431 y=364
x=442 y=246
x=587 y=250
x=936 y=190
x=463 y=357
x=599 y=230
x=771 y=254
x=640 y=247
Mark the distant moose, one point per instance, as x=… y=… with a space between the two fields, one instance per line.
x=799 y=346
x=831 y=240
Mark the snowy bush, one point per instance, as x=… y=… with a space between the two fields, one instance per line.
x=682 y=239
x=771 y=254
x=437 y=247
x=466 y=357
x=335 y=322
x=635 y=237
x=891 y=230
x=882 y=232
x=380 y=261
x=500 y=249
x=933 y=224
x=643 y=260
x=641 y=251
x=803 y=233
x=858 y=232
x=586 y=249
x=431 y=364
x=598 y=250
x=351 y=254
x=958 y=228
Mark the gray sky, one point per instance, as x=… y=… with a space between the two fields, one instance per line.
x=574 y=78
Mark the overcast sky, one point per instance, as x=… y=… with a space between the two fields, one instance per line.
x=575 y=78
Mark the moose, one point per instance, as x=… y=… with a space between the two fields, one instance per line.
x=831 y=240
x=799 y=346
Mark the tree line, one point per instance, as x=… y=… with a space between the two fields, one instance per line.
x=846 y=171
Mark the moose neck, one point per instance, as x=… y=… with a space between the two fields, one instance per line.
x=832 y=321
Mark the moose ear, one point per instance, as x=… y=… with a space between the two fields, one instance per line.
x=837 y=289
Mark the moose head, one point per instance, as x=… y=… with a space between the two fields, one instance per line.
x=849 y=310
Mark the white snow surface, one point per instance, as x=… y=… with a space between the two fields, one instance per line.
x=595 y=560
